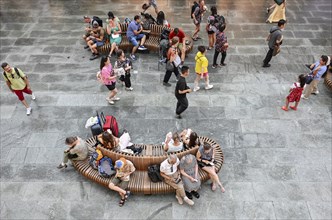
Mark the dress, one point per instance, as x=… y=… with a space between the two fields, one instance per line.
x=189 y=168
x=278 y=13
x=295 y=94
x=116 y=40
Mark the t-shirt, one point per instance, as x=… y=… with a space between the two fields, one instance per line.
x=320 y=72
x=180 y=35
x=275 y=35
x=168 y=168
x=172 y=148
x=133 y=26
x=107 y=72
x=129 y=167
x=181 y=85
x=16 y=82
x=80 y=149
x=201 y=63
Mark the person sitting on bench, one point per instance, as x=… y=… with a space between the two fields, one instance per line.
x=173 y=143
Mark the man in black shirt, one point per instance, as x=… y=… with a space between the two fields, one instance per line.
x=181 y=89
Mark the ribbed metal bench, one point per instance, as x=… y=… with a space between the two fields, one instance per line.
x=151 y=154
x=152 y=43
x=328 y=80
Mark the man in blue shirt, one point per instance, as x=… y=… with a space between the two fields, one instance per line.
x=318 y=69
x=134 y=34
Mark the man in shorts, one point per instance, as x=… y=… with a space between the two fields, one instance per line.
x=177 y=32
x=134 y=34
x=18 y=83
x=96 y=39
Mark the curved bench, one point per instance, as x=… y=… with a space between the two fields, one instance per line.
x=152 y=43
x=328 y=79
x=151 y=154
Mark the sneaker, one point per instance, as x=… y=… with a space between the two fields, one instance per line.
x=214 y=66
x=129 y=89
x=208 y=87
x=142 y=48
x=94 y=56
x=108 y=99
x=315 y=93
x=178 y=116
x=196 y=89
x=132 y=56
x=111 y=102
x=188 y=201
x=162 y=60
x=223 y=64
x=86 y=47
x=62 y=166
x=266 y=65
x=33 y=97
x=303 y=97
x=167 y=84
x=180 y=201
x=115 y=99
x=29 y=110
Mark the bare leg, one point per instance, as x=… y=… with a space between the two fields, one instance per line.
x=113 y=46
x=25 y=103
x=117 y=189
x=143 y=40
x=198 y=77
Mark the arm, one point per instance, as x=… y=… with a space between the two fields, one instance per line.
x=196 y=172
x=101 y=37
x=27 y=82
x=120 y=31
x=108 y=30
x=184 y=91
x=165 y=176
x=186 y=175
x=198 y=157
x=316 y=70
x=8 y=84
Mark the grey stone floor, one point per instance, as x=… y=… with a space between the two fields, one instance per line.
x=277 y=164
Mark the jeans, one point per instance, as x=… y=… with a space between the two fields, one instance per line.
x=215 y=57
x=268 y=57
x=169 y=73
x=181 y=105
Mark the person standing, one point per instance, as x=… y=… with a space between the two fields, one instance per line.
x=109 y=79
x=197 y=18
x=318 y=69
x=275 y=38
x=201 y=69
x=126 y=65
x=295 y=93
x=18 y=83
x=221 y=47
x=174 y=58
x=181 y=90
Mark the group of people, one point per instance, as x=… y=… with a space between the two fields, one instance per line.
x=180 y=174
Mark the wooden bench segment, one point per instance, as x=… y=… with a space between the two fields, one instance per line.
x=152 y=43
x=328 y=79
x=139 y=181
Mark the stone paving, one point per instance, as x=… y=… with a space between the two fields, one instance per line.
x=277 y=164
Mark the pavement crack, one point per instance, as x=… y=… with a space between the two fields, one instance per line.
x=155 y=213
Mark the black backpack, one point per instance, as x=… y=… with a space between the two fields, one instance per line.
x=96 y=18
x=154 y=173
x=193 y=8
x=16 y=71
x=219 y=20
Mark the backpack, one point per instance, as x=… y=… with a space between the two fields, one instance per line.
x=106 y=168
x=127 y=21
x=218 y=20
x=95 y=159
x=16 y=71
x=154 y=173
x=96 y=18
x=193 y=8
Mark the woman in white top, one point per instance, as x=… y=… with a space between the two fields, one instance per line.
x=173 y=143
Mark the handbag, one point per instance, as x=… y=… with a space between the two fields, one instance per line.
x=169 y=66
x=309 y=78
x=279 y=2
x=276 y=50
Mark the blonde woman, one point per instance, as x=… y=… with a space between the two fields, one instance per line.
x=278 y=13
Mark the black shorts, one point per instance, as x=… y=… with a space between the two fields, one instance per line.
x=111 y=87
x=210 y=32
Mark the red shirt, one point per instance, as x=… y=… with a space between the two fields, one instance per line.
x=180 y=35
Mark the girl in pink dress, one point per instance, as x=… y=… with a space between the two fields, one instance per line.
x=295 y=93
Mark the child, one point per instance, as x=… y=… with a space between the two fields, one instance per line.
x=201 y=68
x=295 y=93
x=123 y=65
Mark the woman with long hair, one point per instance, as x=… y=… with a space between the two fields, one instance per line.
x=109 y=79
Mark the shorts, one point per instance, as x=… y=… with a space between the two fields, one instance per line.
x=204 y=74
x=118 y=182
x=133 y=40
x=210 y=32
x=19 y=93
x=111 y=87
x=98 y=43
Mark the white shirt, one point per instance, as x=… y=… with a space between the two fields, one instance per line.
x=166 y=167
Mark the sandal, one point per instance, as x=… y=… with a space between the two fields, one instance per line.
x=127 y=195
x=284 y=108
x=122 y=202
x=293 y=107
x=196 y=194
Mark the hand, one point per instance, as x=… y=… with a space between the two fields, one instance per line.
x=29 y=87
x=190 y=90
x=192 y=179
